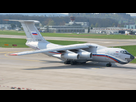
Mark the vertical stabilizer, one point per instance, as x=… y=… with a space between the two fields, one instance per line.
x=31 y=31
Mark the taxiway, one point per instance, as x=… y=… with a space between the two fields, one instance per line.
x=42 y=72
x=103 y=42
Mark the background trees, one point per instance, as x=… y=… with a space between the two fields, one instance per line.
x=115 y=16
x=44 y=20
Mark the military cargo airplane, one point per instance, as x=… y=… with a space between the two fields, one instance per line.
x=71 y=54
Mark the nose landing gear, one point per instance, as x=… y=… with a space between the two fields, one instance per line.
x=108 y=65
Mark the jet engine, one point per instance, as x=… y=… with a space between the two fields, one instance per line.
x=85 y=55
x=70 y=56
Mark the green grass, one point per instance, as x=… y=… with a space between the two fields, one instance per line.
x=134 y=61
x=131 y=49
x=99 y=36
x=65 y=42
x=12 y=32
x=21 y=42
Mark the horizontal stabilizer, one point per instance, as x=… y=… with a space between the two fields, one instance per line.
x=31 y=21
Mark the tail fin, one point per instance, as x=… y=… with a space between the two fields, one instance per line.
x=31 y=31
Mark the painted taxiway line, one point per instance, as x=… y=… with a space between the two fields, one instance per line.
x=22 y=59
x=10 y=52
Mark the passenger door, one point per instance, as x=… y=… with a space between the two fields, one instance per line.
x=117 y=54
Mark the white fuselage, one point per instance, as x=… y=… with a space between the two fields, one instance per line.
x=102 y=54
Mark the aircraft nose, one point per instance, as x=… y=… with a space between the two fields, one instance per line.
x=132 y=57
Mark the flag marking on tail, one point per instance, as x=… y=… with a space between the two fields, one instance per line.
x=34 y=33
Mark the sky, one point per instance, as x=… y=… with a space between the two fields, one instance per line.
x=132 y=14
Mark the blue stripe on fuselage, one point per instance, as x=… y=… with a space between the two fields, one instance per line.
x=116 y=60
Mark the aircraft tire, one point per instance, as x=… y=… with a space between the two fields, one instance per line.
x=108 y=65
x=82 y=62
x=73 y=62
x=67 y=62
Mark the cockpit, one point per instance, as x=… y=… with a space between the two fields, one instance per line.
x=124 y=52
x=128 y=54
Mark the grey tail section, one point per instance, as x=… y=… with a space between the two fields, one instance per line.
x=31 y=31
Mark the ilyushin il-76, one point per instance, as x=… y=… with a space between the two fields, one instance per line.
x=71 y=54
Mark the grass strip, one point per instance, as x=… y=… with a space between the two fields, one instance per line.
x=21 y=42
x=73 y=35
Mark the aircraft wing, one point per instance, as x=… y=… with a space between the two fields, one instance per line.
x=60 y=48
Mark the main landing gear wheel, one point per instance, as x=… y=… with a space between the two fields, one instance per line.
x=82 y=62
x=108 y=65
x=67 y=62
x=73 y=62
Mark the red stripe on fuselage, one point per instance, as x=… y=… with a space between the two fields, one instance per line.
x=106 y=56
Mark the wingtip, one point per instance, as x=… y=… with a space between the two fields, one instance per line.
x=5 y=19
x=13 y=55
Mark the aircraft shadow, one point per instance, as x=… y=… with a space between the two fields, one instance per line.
x=61 y=67
x=125 y=67
x=47 y=61
x=82 y=66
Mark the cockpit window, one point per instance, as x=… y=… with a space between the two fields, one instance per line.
x=124 y=51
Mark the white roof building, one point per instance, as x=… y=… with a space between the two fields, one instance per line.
x=71 y=27
x=5 y=26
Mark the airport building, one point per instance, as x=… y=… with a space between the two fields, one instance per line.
x=109 y=30
x=130 y=26
x=83 y=27
x=5 y=26
x=71 y=27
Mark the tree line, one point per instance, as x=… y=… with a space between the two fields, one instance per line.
x=44 y=20
x=115 y=16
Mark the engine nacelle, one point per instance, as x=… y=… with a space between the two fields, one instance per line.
x=70 y=56
x=85 y=55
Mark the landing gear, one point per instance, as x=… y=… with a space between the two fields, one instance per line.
x=73 y=62
x=70 y=62
x=82 y=62
x=108 y=65
x=67 y=62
